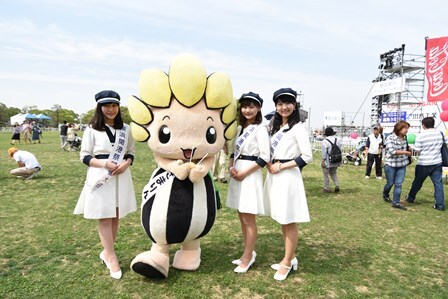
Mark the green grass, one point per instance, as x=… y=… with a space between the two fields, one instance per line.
x=356 y=246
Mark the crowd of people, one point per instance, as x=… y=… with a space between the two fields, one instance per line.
x=395 y=154
x=282 y=146
x=29 y=132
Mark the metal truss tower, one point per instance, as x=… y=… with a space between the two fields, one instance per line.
x=390 y=108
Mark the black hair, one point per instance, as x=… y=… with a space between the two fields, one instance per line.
x=247 y=102
x=97 y=122
x=428 y=122
x=293 y=119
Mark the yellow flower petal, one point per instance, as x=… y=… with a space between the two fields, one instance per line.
x=187 y=79
x=229 y=113
x=139 y=132
x=230 y=131
x=154 y=88
x=140 y=113
x=219 y=91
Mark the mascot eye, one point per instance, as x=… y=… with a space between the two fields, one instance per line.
x=211 y=135
x=164 y=134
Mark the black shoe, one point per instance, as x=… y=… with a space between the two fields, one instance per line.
x=439 y=208
x=387 y=198
x=408 y=200
x=398 y=206
x=336 y=189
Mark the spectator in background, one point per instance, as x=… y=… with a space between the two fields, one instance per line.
x=71 y=136
x=329 y=169
x=396 y=160
x=15 y=133
x=63 y=135
x=219 y=169
x=27 y=162
x=35 y=129
x=429 y=163
x=373 y=151
x=26 y=129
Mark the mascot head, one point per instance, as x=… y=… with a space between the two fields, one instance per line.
x=183 y=114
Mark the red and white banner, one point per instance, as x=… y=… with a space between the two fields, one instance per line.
x=437 y=69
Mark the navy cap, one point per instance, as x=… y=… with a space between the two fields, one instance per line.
x=252 y=96
x=285 y=94
x=107 y=96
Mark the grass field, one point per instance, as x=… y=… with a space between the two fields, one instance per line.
x=356 y=245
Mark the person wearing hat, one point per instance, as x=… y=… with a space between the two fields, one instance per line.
x=285 y=198
x=330 y=168
x=250 y=154
x=108 y=195
x=373 y=150
x=27 y=162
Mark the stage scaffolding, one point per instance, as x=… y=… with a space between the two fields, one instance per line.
x=387 y=109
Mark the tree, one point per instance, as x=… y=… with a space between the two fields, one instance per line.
x=27 y=109
x=4 y=119
x=125 y=115
x=6 y=113
x=56 y=108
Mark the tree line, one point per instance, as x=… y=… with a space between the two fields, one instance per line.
x=56 y=112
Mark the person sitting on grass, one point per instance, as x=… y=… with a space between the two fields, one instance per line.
x=28 y=164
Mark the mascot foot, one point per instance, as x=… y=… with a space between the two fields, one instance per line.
x=187 y=259
x=151 y=264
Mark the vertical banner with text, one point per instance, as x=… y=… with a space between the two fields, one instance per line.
x=437 y=69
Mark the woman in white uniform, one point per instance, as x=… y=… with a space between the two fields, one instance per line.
x=250 y=155
x=285 y=198
x=108 y=194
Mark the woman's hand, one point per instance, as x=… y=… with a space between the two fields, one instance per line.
x=239 y=175
x=274 y=168
x=120 y=168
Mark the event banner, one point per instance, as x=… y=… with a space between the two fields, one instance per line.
x=388 y=86
x=437 y=68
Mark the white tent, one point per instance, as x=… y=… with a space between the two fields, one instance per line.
x=18 y=118
x=21 y=117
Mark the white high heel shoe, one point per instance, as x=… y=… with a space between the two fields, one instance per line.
x=294 y=265
x=103 y=259
x=280 y=277
x=116 y=275
x=238 y=261
x=240 y=269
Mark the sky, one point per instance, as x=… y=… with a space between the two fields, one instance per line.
x=64 y=52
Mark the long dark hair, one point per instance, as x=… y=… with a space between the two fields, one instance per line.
x=97 y=122
x=293 y=119
x=246 y=102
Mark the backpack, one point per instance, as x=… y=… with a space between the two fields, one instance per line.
x=335 y=155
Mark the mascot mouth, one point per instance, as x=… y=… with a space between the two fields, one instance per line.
x=188 y=153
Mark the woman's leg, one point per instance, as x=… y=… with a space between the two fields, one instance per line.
x=290 y=236
x=249 y=228
x=105 y=230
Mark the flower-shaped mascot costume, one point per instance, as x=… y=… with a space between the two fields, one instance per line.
x=185 y=117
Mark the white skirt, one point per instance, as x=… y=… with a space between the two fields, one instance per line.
x=285 y=198
x=246 y=196
x=118 y=192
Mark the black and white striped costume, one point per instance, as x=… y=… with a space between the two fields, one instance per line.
x=179 y=211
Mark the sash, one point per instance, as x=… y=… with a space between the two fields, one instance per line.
x=155 y=183
x=115 y=157
x=276 y=139
x=242 y=139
